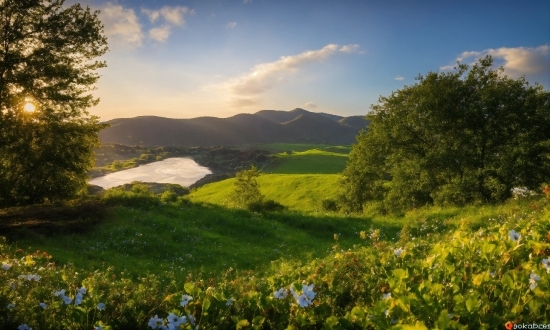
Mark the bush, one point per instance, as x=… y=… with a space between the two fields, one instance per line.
x=139 y=196
x=168 y=196
x=265 y=206
x=329 y=205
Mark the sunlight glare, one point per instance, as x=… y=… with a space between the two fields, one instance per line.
x=29 y=107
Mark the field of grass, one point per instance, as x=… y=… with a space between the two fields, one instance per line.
x=296 y=147
x=298 y=192
x=308 y=162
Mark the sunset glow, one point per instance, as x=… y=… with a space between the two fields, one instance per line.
x=29 y=107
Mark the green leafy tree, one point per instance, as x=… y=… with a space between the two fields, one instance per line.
x=246 y=189
x=47 y=59
x=454 y=138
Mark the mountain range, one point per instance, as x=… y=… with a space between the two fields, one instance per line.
x=266 y=126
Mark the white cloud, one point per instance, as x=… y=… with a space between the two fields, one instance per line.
x=231 y=25
x=246 y=89
x=516 y=61
x=310 y=105
x=160 y=34
x=121 y=25
x=399 y=78
x=350 y=49
x=171 y=15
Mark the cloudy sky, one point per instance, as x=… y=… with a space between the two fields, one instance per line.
x=185 y=59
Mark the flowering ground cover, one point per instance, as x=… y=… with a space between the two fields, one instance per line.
x=450 y=270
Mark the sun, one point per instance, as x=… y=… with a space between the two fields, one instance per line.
x=29 y=107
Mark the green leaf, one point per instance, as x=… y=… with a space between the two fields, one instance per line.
x=243 y=324
x=189 y=287
x=358 y=312
x=472 y=304
x=205 y=305
x=507 y=281
x=400 y=273
x=332 y=321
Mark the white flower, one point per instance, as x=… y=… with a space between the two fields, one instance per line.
x=280 y=294
x=5 y=266
x=60 y=293
x=11 y=306
x=185 y=300
x=67 y=300
x=175 y=320
x=387 y=296
x=533 y=279
x=303 y=301
x=101 y=306
x=514 y=236
x=31 y=277
x=78 y=299
x=82 y=290
x=43 y=305
x=398 y=252
x=229 y=301
x=24 y=327
x=156 y=322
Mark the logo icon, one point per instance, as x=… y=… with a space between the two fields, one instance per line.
x=509 y=325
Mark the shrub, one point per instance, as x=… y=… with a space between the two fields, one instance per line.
x=329 y=204
x=265 y=206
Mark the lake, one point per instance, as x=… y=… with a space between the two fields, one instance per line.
x=183 y=171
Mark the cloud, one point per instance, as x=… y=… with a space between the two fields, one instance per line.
x=231 y=25
x=399 y=78
x=246 y=89
x=310 y=105
x=171 y=15
x=160 y=34
x=517 y=61
x=350 y=49
x=121 y=25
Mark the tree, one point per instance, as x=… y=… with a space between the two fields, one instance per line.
x=247 y=190
x=47 y=57
x=451 y=139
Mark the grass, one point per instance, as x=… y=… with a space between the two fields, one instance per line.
x=298 y=192
x=296 y=147
x=184 y=238
x=308 y=162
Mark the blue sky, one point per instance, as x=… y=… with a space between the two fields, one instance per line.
x=185 y=59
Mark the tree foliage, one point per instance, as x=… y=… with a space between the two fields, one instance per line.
x=47 y=58
x=453 y=138
x=247 y=190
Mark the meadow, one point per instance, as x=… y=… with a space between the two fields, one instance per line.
x=301 y=268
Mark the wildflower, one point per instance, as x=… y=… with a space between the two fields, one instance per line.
x=98 y=327
x=175 y=320
x=280 y=294
x=78 y=299
x=386 y=312
x=514 y=236
x=67 y=300
x=5 y=266
x=24 y=327
x=398 y=252
x=303 y=301
x=546 y=264
x=82 y=290
x=43 y=305
x=450 y=315
x=156 y=322
x=493 y=274
x=185 y=300
x=387 y=296
x=533 y=279
x=60 y=293
x=229 y=301
x=101 y=306
x=191 y=319
x=11 y=306
x=306 y=297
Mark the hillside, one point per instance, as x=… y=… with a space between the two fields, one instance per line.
x=266 y=126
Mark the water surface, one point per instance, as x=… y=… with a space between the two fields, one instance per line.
x=183 y=171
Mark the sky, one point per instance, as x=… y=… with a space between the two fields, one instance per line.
x=187 y=59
